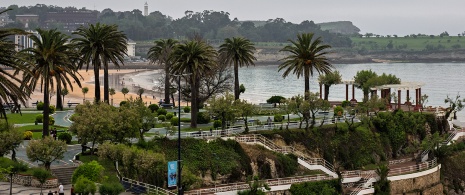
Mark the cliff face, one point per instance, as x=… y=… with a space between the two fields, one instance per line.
x=454 y=173
x=426 y=185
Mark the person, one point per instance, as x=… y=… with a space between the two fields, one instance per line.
x=55 y=133
x=72 y=190
x=61 y=190
x=269 y=121
x=50 y=192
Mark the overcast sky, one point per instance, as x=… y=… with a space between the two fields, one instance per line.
x=383 y=17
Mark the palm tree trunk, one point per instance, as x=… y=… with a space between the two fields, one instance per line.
x=236 y=81
x=106 y=96
x=307 y=82
x=59 y=100
x=194 y=104
x=167 y=84
x=326 y=92
x=97 y=82
x=45 y=128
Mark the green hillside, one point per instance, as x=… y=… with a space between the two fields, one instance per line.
x=421 y=43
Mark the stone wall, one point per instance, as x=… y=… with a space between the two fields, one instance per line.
x=27 y=180
x=427 y=184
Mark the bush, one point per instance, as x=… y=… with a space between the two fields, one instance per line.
x=27 y=135
x=123 y=103
x=51 y=120
x=338 y=111
x=40 y=106
x=169 y=116
x=40 y=118
x=161 y=117
x=66 y=137
x=113 y=188
x=153 y=107
x=185 y=120
x=174 y=121
x=217 y=124
x=52 y=109
x=71 y=118
x=84 y=186
x=203 y=118
x=187 y=109
x=92 y=171
x=162 y=111
x=278 y=118
x=345 y=103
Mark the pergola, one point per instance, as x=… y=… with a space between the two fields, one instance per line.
x=407 y=86
x=347 y=83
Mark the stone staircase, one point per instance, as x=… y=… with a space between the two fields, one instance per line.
x=63 y=173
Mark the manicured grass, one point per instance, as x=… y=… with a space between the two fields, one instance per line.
x=16 y=118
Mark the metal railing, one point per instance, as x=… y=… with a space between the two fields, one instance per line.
x=149 y=188
x=362 y=186
x=413 y=168
x=393 y=162
x=318 y=161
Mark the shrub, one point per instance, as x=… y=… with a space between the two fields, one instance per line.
x=278 y=118
x=113 y=188
x=203 y=118
x=216 y=124
x=91 y=170
x=161 y=117
x=187 y=109
x=162 y=111
x=169 y=116
x=51 y=120
x=84 y=186
x=40 y=118
x=66 y=137
x=338 y=111
x=174 y=121
x=52 y=109
x=27 y=135
x=71 y=118
x=123 y=103
x=40 y=106
x=185 y=120
x=345 y=103
x=153 y=107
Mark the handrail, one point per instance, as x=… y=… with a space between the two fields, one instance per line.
x=149 y=187
x=361 y=185
x=413 y=168
x=398 y=161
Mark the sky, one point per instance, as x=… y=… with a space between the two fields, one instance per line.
x=384 y=17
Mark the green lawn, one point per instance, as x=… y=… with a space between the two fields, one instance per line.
x=16 y=118
x=408 y=43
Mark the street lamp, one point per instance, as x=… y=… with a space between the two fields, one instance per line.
x=180 y=190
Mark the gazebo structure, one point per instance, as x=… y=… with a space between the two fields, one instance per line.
x=406 y=86
x=347 y=83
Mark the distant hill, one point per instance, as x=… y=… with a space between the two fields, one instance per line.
x=342 y=27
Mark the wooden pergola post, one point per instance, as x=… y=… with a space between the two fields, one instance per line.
x=398 y=98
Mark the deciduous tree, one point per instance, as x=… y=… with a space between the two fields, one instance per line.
x=46 y=150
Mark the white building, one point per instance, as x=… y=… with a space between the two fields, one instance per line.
x=24 y=41
x=4 y=18
x=131 y=48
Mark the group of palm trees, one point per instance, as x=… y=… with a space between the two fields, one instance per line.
x=54 y=60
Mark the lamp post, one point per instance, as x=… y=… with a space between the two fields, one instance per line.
x=180 y=189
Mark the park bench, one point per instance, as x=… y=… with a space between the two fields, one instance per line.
x=72 y=103
x=167 y=106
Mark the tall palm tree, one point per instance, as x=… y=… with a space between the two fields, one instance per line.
x=99 y=45
x=194 y=58
x=238 y=51
x=10 y=86
x=305 y=56
x=161 y=53
x=51 y=62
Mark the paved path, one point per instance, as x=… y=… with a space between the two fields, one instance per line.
x=72 y=150
x=23 y=190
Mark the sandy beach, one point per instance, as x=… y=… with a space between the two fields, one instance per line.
x=87 y=80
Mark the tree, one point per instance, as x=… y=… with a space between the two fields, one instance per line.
x=125 y=91
x=244 y=109
x=161 y=53
x=51 y=62
x=64 y=92
x=91 y=170
x=11 y=89
x=112 y=92
x=305 y=56
x=99 y=45
x=93 y=122
x=315 y=104
x=276 y=99
x=84 y=186
x=126 y=121
x=455 y=105
x=361 y=78
x=329 y=79
x=84 y=91
x=140 y=91
x=256 y=186
x=194 y=58
x=382 y=185
x=239 y=52
x=41 y=175
x=45 y=150
x=10 y=139
x=222 y=107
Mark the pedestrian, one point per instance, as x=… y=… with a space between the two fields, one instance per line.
x=55 y=133
x=50 y=192
x=61 y=190
x=269 y=121
x=72 y=190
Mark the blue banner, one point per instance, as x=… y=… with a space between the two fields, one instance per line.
x=172 y=173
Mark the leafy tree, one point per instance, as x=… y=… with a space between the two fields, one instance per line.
x=295 y=105
x=126 y=121
x=10 y=87
x=241 y=88
x=305 y=56
x=51 y=62
x=84 y=186
x=382 y=186
x=222 y=107
x=45 y=150
x=112 y=92
x=41 y=175
x=125 y=91
x=113 y=188
x=10 y=139
x=276 y=99
x=194 y=58
x=91 y=170
x=361 y=78
x=244 y=109
x=455 y=105
x=140 y=92
x=84 y=91
x=256 y=187
x=239 y=52
x=64 y=92
x=313 y=104
x=329 y=79
x=93 y=122
x=99 y=45
x=161 y=53
x=330 y=187
x=432 y=142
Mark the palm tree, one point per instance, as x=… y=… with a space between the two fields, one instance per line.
x=51 y=62
x=238 y=51
x=11 y=89
x=161 y=53
x=64 y=92
x=125 y=91
x=194 y=58
x=306 y=55
x=329 y=79
x=84 y=91
x=112 y=92
x=99 y=45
